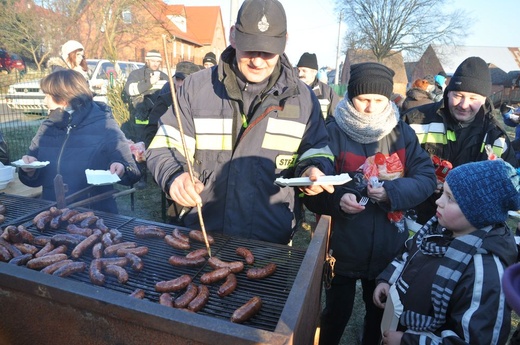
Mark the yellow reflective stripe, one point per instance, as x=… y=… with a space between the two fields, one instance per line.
x=284 y=127
x=170 y=137
x=499 y=146
x=213 y=134
x=141 y=122
x=433 y=138
x=450 y=135
x=283 y=135
x=280 y=143
x=214 y=142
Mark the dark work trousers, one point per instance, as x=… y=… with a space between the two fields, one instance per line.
x=338 y=309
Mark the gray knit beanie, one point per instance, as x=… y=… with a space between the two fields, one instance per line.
x=485 y=191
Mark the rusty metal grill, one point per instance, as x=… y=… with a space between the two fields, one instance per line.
x=273 y=290
x=19 y=208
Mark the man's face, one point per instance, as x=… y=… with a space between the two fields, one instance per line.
x=208 y=64
x=307 y=75
x=256 y=66
x=370 y=104
x=464 y=106
x=154 y=64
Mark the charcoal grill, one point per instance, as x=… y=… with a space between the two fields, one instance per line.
x=73 y=310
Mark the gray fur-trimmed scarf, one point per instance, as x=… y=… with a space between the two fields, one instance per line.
x=363 y=128
x=457 y=256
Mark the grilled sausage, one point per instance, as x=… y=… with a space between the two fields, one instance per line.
x=55 y=222
x=176 y=243
x=21 y=260
x=41 y=224
x=2 y=209
x=135 y=262
x=199 y=253
x=246 y=254
x=69 y=269
x=45 y=260
x=61 y=249
x=96 y=275
x=100 y=224
x=173 y=284
x=54 y=211
x=5 y=256
x=247 y=311
x=177 y=260
x=112 y=250
x=200 y=300
x=85 y=223
x=137 y=293
x=85 y=244
x=198 y=235
x=106 y=239
x=53 y=267
x=119 y=261
x=45 y=250
x=79 y=217
x=26 y=234
x=228 y=286
x=13 y=235
x=148 y=231
x=2 y=218
x=119 y=272
x=235 y=266
x=97 y=250
x=166 y=300
x=74 y=229
x=13 y=251
x=41 y=240
x=139 y=251
x=41 y=215
x=117 y=236
x=67 y=213
x=26 y=248
x=70 y=240
x=215 y=276
x=261 y=272
x=183 y=300
x=179 y=235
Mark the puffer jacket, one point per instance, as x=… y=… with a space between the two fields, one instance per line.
x=440 y=135
x=89 y=139
x=363 y=244
x=416 y=97
x=477 y=312
x=238 y=162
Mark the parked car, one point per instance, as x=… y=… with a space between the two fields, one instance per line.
x=5 y=61
x=18 y=63
x=28 y=97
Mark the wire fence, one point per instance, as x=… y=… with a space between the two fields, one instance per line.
x=17 y=126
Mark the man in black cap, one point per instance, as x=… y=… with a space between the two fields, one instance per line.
x=460 y=128
x=209 y=60
x=308 y=71
x=246 y=122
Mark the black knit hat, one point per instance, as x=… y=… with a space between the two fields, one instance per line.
x=473 y=76
x=308 y=60
x=261 y=26
x=185 y=68
x=370 y=78
x=485 y=191
x=210 y=57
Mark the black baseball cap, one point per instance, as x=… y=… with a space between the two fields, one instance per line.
x=261 y=26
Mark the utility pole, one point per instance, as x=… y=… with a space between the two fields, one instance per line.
x=336 y=76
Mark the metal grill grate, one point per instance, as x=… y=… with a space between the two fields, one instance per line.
x=20 y=208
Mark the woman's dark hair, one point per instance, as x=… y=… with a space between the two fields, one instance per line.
x=67 y=86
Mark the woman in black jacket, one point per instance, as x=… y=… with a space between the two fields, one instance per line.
x=79 y=134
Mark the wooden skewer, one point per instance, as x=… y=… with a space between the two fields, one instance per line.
x=184 y=146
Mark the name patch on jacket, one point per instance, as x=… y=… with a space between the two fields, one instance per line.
x=285 y=161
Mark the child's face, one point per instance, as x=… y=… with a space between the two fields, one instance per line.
x=450 y=216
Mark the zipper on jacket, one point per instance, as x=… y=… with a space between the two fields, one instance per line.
x=62 y=148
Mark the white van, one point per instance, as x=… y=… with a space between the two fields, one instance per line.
x=28 y=97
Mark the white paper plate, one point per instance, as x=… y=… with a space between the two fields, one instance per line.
x=515 y=214
x=101 y=177
x=35 y=165
x=305 y=181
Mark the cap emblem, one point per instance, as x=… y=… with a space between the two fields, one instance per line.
x=263 y=24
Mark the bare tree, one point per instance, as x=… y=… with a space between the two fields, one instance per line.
x=29 y=30
x=388 y=27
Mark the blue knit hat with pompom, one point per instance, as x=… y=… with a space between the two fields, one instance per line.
x=485 y=191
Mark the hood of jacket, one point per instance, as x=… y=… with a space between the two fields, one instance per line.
x=501 y=242
x=57 y=61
